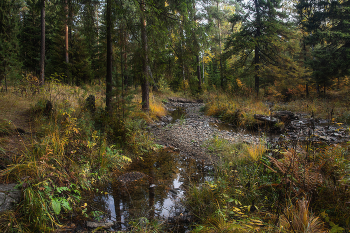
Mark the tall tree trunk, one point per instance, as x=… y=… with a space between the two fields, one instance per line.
x=220 y=52
x=203 y=69
x=182 y=52
x=257 y=53
x=199 y=74
x=66 y=36
x=42 y=47
x=144 y=80
x=109 y=59
x=307 y=81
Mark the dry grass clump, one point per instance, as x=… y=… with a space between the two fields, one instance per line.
x=331 y=109
x=156 y=108
x=299 y=219
x=238 y=111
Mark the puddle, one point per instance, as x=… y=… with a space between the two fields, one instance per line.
x=152 y=188
x=178 y=113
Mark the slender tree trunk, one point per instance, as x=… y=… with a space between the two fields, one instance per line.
x=182 y=53
x=203 y=68
x=257 y=53
x=42 y=47
x=125 y=57
x=144 y=80
x=307 y=82
x=220 y=52
x=109 y=59
x=66 y=35
x=199 y=74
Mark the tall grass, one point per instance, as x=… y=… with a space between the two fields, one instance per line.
x=238 y=111
x=71 y=151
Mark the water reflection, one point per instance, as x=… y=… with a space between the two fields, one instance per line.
x=152 y=187
x=178 y=113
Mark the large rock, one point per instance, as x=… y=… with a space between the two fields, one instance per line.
x=9 y=195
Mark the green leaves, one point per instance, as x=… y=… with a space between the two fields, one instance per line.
x=58 y=203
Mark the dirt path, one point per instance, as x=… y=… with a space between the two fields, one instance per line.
x=190 y=133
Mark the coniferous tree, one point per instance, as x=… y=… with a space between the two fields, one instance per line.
x=109 y=55
x=42 y=44
x=262 y=45
x=9 y=49
x=30 y=37
x=328 y=29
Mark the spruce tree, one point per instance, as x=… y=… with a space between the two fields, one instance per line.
x=9 y=48
x=262 y=44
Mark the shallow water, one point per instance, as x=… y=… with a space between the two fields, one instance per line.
x=157 y=195
x=177 y=114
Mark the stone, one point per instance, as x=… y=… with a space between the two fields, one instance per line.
x=9 y=195
x=105 y=225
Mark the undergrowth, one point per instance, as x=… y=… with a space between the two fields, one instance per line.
x=73 y=149
x=286 y=189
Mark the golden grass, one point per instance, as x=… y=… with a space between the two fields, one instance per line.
x=299 y=219
x=253 y=152
x=156 y=108
x=236 y=110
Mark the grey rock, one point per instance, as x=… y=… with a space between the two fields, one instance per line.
x=99 y=224
x=9 y=195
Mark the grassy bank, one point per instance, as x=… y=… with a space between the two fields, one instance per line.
x=290 y=189
x=68 y=146
x=239 y=111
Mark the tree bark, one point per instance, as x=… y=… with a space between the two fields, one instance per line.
x=144 y=79
x=42 y=47
x=199 y=74
x=66 y=37
x=109 y=59
x=257 y=53
x=220 y=52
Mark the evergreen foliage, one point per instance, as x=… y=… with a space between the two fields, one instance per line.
x=9 y=44
x=264 y=43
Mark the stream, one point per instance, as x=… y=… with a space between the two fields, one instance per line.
x=153 y=187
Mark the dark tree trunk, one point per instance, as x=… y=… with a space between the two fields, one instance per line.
x=257 y=53
x=66 y=40
x=199 y=74
x=144 y=80
x=42 y=47
x=307 y=84
x=220 y=52
x=109 y=59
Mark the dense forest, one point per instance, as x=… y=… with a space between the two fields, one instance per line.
x=97 y=92
x=290 y=47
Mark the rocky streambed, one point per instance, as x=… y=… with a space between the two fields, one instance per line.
x=189 y=133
